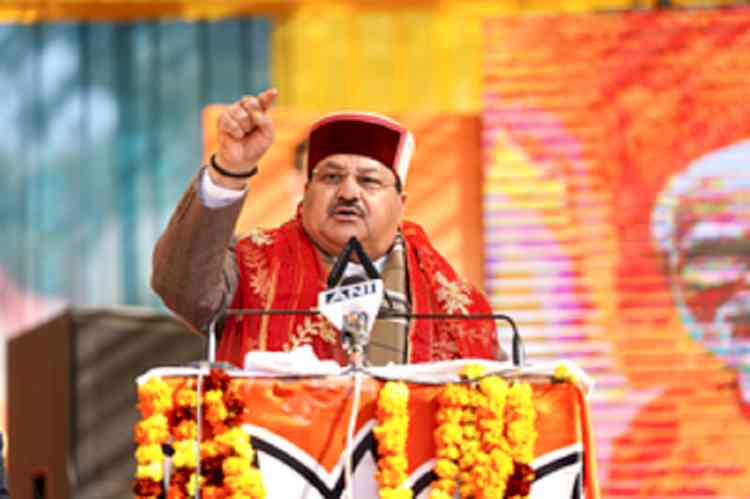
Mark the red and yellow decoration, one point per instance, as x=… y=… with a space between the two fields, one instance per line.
x=226 y=455
x=391 y=434
x=485 y=438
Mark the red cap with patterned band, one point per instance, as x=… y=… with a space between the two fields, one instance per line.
x=366 y=134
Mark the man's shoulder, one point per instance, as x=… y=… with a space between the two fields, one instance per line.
x=265 y=237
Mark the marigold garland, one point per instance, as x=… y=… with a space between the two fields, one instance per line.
x=226 y=455
x=484 y=438
x=391 y=433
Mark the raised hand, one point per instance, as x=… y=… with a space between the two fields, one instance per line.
x=245 y=132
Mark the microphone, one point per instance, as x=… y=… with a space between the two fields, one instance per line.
x=340 y=264
x=352 y=306
x=353 y=309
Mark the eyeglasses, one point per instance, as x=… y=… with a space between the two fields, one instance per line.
x=370 y=182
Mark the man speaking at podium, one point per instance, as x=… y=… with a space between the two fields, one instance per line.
x=356 y=170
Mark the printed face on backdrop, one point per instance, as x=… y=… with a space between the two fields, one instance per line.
x=702 y=222
x=352 y=195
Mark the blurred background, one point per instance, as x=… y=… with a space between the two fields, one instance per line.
x=585 y=162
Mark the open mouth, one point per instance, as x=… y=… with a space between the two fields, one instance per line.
x=346 y=213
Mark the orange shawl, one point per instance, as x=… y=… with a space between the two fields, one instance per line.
x=281 y=269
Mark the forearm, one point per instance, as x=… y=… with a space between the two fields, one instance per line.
x=194 y=270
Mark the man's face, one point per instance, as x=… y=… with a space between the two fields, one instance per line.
x=351 y=195
x=711 y=274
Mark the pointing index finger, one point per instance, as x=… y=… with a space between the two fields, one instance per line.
x=266 y=98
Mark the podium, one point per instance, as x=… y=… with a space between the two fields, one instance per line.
x=298 y=424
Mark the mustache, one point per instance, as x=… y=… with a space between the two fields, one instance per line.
x=353 y=206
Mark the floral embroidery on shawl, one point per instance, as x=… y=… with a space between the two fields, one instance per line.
x=260 y=237
x=444 y=344
x=255 y=262
x=311 y=328
x=454 y=296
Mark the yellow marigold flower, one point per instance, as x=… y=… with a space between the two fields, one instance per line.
x=186 y=397
x=468 y=460
x=249 y=484
x=212 y=448
x=470 y=432
x=239 y=441
x=449 y=434
x=501 y=462
x=448 y=452
x=235 y=465
x=467 y=489
x=390 y=440
x=234 y=438
x=395 y=493
x=154 y=396
x=152 y=430
x=186 y=430
x=193 y=483
x=395 y=462
x=493 y=386
x=454 y=395
x=446 y=486
x=145 y=454
x=154 y=471
x=445 y=468
x=449 y=415
x=389 y=477
x=562 y=373
x=478 y=399
x=216 y=411
x=470 y=447
x=185 y=455
x=439 y=494
x=468 y=416
x=472 y=371
x=393 y=397
x=491 y=492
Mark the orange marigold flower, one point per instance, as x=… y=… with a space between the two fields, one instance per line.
x=185 y=430
x=212 y=492
x=154 y=396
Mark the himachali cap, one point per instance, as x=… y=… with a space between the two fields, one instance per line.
x=366 y=134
